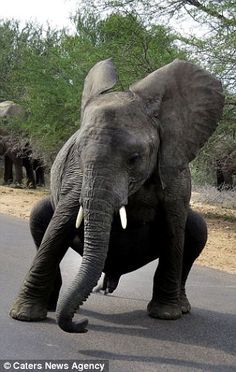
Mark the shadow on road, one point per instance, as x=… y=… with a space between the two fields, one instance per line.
x=201 y=328
x=160 y=361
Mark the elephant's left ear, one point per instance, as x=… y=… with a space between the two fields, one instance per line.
x=101 y=78
x=188 y=102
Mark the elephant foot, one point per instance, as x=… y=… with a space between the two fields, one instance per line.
x=40 y=184
x=17 y=185
x=7 y=183
x=100 y=290
x=31 y=186
x=164 y=311
x=108 y=285
x=27 y=310
x=184 y=302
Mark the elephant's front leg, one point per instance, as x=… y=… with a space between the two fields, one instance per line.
x=31 y=303
x=8 y=172
x=165 y=303
x=27 y=162
x=18 y=163
x=40 y=218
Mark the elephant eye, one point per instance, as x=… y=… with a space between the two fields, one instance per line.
x=134 y=158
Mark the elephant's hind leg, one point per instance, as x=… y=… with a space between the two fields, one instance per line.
x=40 y=218
x=195 y=241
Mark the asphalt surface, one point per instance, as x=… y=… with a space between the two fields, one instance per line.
x=119 y=329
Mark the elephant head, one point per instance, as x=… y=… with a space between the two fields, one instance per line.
x=155 y=127
x=10 y=109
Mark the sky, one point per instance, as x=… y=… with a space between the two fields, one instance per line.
x=56 y=12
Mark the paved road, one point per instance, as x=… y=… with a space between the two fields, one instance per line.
x=119 y=329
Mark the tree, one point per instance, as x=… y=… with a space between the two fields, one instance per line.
x=216 y=18
x=9 y=32
x=135 y=49
x=211 y=42
x=47 y=69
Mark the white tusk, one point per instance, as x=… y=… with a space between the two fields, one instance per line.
x=123 y=217
x=79 y=218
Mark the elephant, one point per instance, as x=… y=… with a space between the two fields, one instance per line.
x=120 y=192
x=21 y=156
x=10 y=109
x=39 y=170
x=18 y=155
x=225 y=170
x=135 y=251
x=18 y=152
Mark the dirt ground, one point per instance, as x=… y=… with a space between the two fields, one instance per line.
x=219 y=253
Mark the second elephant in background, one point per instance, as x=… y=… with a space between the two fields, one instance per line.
x=17 y=151
x=226 y=170
x=19 y=155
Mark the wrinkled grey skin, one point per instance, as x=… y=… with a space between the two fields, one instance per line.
x=133 y=149
x=18 y=152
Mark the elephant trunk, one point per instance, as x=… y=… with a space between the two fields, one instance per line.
x=98 y=207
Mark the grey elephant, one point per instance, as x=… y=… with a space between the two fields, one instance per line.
x=18 y=152
x=120 y=192
x=18 y=155
x=225 y=170
x=11 y=109
x=14 y=151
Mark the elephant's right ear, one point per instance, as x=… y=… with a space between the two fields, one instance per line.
x=188 y=102
x=101 y=78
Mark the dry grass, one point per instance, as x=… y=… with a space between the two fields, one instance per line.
x=19 y=202
x=219 y=209
x=210 y=195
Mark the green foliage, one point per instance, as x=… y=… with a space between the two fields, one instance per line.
x=45 y=71
x=213 y=46
x=135 y=49
x=9 y=39
x=214 y=20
